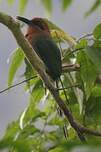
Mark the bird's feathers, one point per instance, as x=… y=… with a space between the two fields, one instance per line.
x=48 y=51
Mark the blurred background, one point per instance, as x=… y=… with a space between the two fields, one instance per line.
x=13 y=102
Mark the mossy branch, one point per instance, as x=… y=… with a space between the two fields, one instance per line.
x=38 y=65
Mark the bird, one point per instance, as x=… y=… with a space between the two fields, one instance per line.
x=39 y=36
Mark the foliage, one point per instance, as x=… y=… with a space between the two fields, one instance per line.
x=16 y=61
x=42 y=127
x=48 y=4
x=94 y=7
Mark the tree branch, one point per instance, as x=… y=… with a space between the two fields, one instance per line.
x=70 y=67
x=38 y=65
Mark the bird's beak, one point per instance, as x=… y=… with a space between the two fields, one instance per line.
x=25 y=20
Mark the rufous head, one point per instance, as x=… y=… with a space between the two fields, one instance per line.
x=35 y=26
x=35 y=23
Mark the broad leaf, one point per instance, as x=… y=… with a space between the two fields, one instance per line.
x=10 y=2
x=19 y=145
x=94 y=7
x=48 y=5
x=22 y=5
x=29 y=72
x=32 y=112
x=12 y=130
x=65 y=4
x=97 y=31
x=37 y=92
x=16 y=61
x=28 y=130
x=86 y=149
x=96 y=92
x=87 y=72
x=58 y=149
x=82 y=43
x=94 y=54
x=59 y=33
x=10 y=135
x=93 y=111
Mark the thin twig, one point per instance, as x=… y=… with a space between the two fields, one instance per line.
x=69 y=87
x=17 y=84
x=85 y=36
x=26 y=80
x=76 y=50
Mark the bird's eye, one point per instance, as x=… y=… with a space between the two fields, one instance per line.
x=26 y=35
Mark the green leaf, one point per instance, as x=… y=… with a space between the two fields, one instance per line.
x=29 y=72
x=57 y=32
x=71 y=93
x=16 y=61
x=58 y=149
x=97 y=43
x=93 y=8
x=65 y=4
x=37 y=92
x=97 y=31
x=94 y=54
x=22 y=5
x=28 y=130
x=32 y=113
x=93 y=107
x=73 y=145
x=10 y=2
x=93 y=111
x=5 y=143
x=96 y=92
x=82 y=44
x=86 y=149
x=12 y=130
x=87 y=72
x=48 y=5
x=65 y=146
x=19 y=145
x=10 y=134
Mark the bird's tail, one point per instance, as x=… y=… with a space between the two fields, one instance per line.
x=63 y=88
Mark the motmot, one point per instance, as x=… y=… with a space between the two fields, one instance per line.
x=39 y=36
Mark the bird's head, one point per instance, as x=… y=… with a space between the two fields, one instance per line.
x=35 y=24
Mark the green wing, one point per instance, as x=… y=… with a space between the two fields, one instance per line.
x=50 y=54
